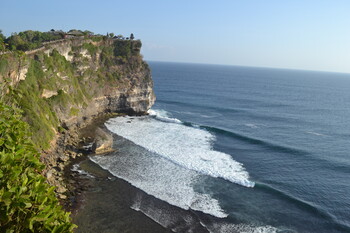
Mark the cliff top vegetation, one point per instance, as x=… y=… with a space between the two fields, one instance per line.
x=41 y=91
x=29 y=40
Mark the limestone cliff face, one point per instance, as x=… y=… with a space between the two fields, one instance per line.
x=63 y=85
x=66 y=83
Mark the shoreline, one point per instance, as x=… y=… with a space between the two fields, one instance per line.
x=81 y=187
x=106 y=203
x=69 y=150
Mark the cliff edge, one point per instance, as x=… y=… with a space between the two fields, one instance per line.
x=65 y=84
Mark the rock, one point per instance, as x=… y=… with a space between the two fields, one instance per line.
x=65 y=158
x=60 y=189
x=48 y=93
x=60 y=166
x=132 y=94
x=49 y=175
x=103 y=141
x=62 y=196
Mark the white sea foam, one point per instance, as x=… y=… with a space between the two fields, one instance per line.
x=88 y=146
x=165 y=216
x=250 y=125
x=186 y=146
x=180 y=222
x=160 y=178
x=163 y=116
x=176 y=159
x=76 y=168
x=314 y=133
x=242 y=228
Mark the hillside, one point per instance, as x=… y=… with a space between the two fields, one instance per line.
x=62 y=85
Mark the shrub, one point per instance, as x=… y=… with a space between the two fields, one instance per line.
x=92 y=49
x=73 y=111
x=27 y=202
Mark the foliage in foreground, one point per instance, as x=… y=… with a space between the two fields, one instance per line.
x=27 y=202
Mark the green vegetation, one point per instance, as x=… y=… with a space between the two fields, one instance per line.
x=36 y=110
x=27 y=202
x=127 y=48
x=73 y=111
x=92 y=49
x=40 y=112
x=54 y=90
x=122 y=48
x=3 y=65
x=29 y=40
x=97 y=38
x=53 y=73
x=2 y=42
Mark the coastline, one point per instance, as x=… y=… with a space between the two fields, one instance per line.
x=69 y=149
x=85 y=190
x=101 y=202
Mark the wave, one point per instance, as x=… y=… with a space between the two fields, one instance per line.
x=251 y=125
x=306 y=205
x=180 y=221
x=315 y=133
x=162 y=115
x=232 y=134
x=303 y=204
x=76 y=168
x=256 y=141
x=160 y=178
x=229 y=227
x=215 y=108
x=249 y=113
x=330 y=163
x=327 y=163
x=188 y=147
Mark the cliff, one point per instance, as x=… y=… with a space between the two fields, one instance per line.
x=63 y=85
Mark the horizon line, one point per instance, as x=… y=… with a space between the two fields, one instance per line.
x=251 y=66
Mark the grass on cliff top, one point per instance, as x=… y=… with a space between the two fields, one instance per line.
x=37 y=111
x=75 y=86
x=40 y=112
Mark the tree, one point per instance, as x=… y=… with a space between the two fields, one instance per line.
x=2 y=43
x=88 y=33
x=111 y=34
x=132 y=36
x=2 y=37
x=122 y=48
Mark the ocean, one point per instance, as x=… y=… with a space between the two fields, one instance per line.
x=232 y=149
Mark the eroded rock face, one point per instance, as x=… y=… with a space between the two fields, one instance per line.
x=92 y=78
x=47 y=93
x=103 y=141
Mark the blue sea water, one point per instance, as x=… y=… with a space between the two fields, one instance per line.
x=254 y=149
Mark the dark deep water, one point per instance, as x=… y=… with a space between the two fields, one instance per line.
x=215 y=131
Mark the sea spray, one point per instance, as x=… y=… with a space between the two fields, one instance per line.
x=159 y=177
x=188 y=147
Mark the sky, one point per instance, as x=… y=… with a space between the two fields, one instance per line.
x=305 y=34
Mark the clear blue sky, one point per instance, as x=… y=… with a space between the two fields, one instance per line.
x=305 y=34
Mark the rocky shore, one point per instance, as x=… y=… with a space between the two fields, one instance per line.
x=68 y=90
x=72 y=146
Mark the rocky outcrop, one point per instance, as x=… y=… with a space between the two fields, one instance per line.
x=103 y=141
x=64 y=86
